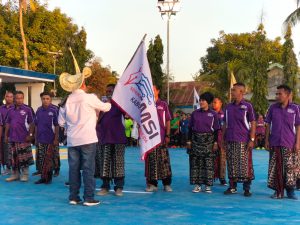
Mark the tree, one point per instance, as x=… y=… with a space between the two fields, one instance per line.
x=23 y=4
x=290 y=65
x=155 y=57
x=260 y=61
x=101 y=77
x=234 y=53
x=293 y=18
x=45 y=31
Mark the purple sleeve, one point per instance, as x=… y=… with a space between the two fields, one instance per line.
x=251 y=113
x=1 y=120
x=191 y=122
x=268 y=118
x=225 y=116
x=36 y=118
x=216 y=124
x=167 y=115
x=55 y=118
x=297 y=119
x=8 y=118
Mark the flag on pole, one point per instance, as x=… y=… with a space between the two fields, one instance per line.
x=196 y=100
x=232 y=82
x=134 y=95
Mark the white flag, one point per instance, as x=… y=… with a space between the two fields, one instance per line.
x=134 y=95
x=196 y=100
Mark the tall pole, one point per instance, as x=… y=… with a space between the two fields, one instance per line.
x=168 y=59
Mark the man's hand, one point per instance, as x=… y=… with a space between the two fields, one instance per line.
x=250 y=145
x=267 y=145
x=215 y=147
x=28 y=138
x=297 y=147
x=167 y=141
x=55 y=142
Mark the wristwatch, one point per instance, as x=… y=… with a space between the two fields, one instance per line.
x=30 y=134
x=252 y=139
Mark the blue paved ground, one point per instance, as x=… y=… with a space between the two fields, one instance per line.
x=27 y=203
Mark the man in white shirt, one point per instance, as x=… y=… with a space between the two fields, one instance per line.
x=79 y=116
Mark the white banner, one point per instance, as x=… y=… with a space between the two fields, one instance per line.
x=134 y=95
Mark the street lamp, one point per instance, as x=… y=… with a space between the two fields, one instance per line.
x=168 y=8
x=55 y=55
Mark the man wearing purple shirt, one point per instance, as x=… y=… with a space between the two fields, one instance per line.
x=111 y=148
x=157 y=162
x=283 y=140
x=18 y=134
x=203 y=126
x=46 y=134
x=239 y=133
x=9 y=103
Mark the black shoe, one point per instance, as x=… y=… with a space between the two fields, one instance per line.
x=247 y=193
x=37 y=173
x=75 y=202
x=67 y=184
x=230 y=191
x=291 y=195
x=92 y=202
x=40 y=181
x=223 y=182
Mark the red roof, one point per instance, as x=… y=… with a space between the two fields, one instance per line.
x=182 y=93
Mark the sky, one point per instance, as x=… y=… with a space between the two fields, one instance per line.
x=115 y=27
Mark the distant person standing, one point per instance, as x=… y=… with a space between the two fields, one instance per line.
x=157 y=162
x=184 y=130
x=175 y=130
x=239 y=136
x=47 y=137
x=128 y=129
x=260 y=132
x=4 y=152
x=283 y=142
x=204 y=125
x=220 y=157
x=19 y=134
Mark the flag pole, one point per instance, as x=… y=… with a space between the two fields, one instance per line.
x=143 y=39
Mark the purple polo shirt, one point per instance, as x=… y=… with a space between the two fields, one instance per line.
x=45 y=122
x=283 y=123
x=3 y=111
x=220 y=115
x=164 y=115
x=19 y=120
x=237 y=119
x=204 y=121
x=110 y=129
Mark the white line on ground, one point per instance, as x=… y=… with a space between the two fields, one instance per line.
x=134 y=192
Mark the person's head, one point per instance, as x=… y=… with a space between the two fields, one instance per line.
x=183 y=116
x=217 y=104
x=238 y=91
x=110 y=90
x=260 y=117
x=156 y=92
x=9 y=97
x=46 y=98
x=19 y=98
x=205 y=100
x=175 y=114
x=283 y=94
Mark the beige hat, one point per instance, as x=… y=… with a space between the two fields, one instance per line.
x=70 y=82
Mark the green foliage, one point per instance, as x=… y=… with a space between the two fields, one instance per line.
x=45 y=31
x=290 y=64
x=237 y=53
x=155 y=57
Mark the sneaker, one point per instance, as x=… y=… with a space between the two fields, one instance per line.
x=275 y=196
x=37 y=173
x=230 y=191
x=291 y=195
x=208 y=189
x=6 y=172
x=40 y=181
x=56 y=173
x=102 y=192
x=92 y=202
x=247 y=193
x=67 y=184
x=167 y=188
x=119 y=192
x=75 y=202
x=151 y=188
x=24 y=178
x=197 y=189
x=13 y=177
x=223 y=182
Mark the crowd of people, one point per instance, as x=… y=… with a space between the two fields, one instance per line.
x=97 y=133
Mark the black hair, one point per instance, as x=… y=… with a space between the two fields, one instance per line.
x=19 y=93
x=207 y=96
x=46 y=93
x=111 y=85
x=240 y=84
x=285 y=87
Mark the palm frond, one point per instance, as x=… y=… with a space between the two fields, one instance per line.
x=292 y=19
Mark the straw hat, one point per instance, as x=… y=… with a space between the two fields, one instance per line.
x=70 y=82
